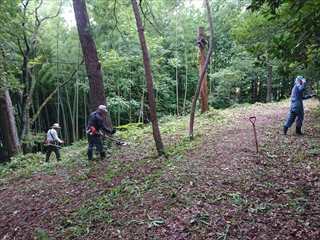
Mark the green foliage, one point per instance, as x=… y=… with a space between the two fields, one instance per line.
x=41 y=234
x=93 y=212
x=246 y=43
x=23 y=165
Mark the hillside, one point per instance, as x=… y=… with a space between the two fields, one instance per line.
x=215 y=187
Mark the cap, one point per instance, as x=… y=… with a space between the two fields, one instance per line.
x=300 y=78
x=103 y=108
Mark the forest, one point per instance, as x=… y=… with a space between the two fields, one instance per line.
x=258 y=49
x=185 y=72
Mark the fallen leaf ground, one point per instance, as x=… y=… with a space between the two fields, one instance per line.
x=215 y=187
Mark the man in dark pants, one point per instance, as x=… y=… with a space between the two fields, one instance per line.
x=296 y=111
x=96 y=124
x=53 y=142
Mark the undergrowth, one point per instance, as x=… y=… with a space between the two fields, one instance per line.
x=23 y=166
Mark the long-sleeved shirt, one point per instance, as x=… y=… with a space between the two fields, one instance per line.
x=297 y=96
x=52 y=136
x=96 y=120
x=297 y=93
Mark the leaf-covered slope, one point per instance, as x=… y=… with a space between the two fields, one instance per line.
x=215 y=187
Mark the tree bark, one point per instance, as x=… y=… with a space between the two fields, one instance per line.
x=254 y=89
x=149 y=80
x=8 y=125
x=177 y=62
x=203 y=72
x=202 y=60
x=269 y=83
x=26 y=111
x=93 y=66
x=186 y=81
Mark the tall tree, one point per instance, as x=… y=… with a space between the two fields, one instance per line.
x=28 y=48
x=269 y=83
x=149 y=79
x=202 y=60
x=7 y=119
x=7 y=124
x=89 y=50
x=203 y=71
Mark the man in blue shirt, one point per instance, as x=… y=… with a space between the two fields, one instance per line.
x=96 y=125
x=296 y=108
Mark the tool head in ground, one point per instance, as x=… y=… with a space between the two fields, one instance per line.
x=253 y=122
x=252 y=119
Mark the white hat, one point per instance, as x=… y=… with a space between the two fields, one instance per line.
x=103 y=108
x=56 y=125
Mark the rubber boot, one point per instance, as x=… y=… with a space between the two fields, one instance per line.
x=298 y=131
x=102 y=155
x=285 y=130
x=90 y=155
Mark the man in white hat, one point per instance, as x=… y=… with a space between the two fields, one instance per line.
x=96 y=124
x=53 y=142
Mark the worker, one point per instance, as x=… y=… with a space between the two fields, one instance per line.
x=95 y=129
x=53 y=142
x=296 y=107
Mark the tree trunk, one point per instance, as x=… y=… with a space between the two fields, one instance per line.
x=186 y=80
x=177 y=62
x=254 y=89
x=149 y=80
x=8 y=124
x=26 y=122
x=269 y=83
x=202 y=59
x=93 y=66
x=203 y=72
x=71 y=133
x=140 y=118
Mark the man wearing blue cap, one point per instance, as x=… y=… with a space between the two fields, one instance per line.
x=296 y=108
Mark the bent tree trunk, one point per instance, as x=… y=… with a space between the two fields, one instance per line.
x=8 y=124
x=93 y=66
x=149 y=80
x=203 y=72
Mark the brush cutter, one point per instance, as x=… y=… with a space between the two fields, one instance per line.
x=117 y=141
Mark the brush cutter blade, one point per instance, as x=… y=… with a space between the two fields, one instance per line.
x=120 y=143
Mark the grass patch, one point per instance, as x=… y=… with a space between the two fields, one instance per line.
x=183 y=145
x=24 y=166
x=92 y=212
x=41 y=234
x=238 y=200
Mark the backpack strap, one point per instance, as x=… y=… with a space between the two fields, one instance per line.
x=53 y=140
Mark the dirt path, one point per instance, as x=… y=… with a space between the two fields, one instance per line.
x=218 y=191
x=215 y=191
